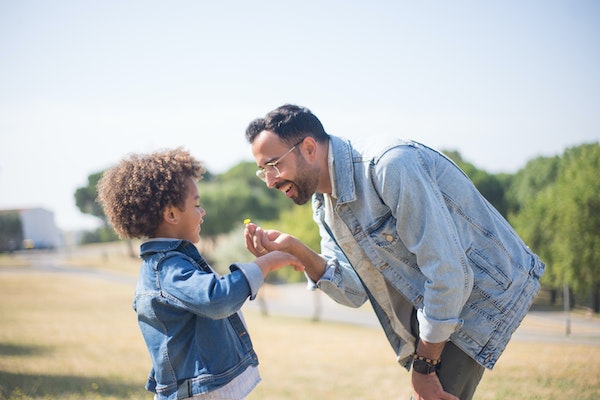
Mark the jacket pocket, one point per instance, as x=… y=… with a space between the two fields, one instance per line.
x=485 y=265
x=383 y=232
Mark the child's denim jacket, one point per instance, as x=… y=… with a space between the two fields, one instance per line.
x=189 y=318
x=416 y=218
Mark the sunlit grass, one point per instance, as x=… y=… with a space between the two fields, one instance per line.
x=12 y=261
x=68 y=337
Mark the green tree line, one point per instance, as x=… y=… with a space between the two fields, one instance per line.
x=552 y=202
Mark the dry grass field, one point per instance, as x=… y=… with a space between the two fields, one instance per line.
x=71 y=334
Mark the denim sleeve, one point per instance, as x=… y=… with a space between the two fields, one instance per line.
x=336 y=287
x=340 y=281
x=204 y=293
x=407 y=185
x=253 y=274
x=342 y=284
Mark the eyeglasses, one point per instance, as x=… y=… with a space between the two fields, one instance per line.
x=271 y=167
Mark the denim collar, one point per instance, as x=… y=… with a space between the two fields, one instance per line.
x=343 y=169
x=164 y=245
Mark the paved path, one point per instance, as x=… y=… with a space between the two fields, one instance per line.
x=45 y=261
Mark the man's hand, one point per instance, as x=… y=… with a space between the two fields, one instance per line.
x=253 y=241
x=259 y=242
x=428 y=387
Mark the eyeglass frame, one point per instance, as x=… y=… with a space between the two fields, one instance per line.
x=261 y=172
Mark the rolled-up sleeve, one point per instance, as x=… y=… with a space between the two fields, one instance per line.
x=253 y=274
x=435 y=331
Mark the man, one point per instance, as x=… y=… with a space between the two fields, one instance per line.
x=402 y=226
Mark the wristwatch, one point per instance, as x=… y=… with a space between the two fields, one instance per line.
x=424 y=365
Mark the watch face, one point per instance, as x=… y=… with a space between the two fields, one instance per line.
x=423 y=367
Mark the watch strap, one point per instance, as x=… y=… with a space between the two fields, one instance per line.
x=424 y=365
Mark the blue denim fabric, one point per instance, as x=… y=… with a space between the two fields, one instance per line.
x=189 y=318
x=420 y=221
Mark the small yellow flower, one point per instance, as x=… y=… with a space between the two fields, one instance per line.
x=247 y=221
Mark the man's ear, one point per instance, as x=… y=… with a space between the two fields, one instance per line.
x=309 y=145
x=170 y=215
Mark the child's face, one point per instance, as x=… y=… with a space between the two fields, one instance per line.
x=191 y=217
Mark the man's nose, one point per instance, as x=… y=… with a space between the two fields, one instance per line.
x=270 y=181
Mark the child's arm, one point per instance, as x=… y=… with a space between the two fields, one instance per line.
x=274 y=260
x=207 y=294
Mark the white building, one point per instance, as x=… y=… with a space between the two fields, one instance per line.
x=40 y=228
x=37 y=230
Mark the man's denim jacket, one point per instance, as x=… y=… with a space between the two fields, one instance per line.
x=435 y=239
x=189 y=318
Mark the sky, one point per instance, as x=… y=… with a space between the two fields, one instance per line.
x=84 y=83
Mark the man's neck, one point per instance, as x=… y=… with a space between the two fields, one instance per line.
x=327 y=175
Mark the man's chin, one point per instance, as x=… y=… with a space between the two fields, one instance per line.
x=300 y=200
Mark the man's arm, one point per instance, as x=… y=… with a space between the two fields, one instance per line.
x=259 y=242
x=333 y=276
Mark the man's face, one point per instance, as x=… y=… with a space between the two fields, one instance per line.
x=283 y=167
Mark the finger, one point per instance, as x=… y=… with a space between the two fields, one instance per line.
x=297 y=264
x=248 y=238
x=248 y=233
x=258 y=242
x=449 y=396
x=249 y=230
x=252 y=242
x=265 y=241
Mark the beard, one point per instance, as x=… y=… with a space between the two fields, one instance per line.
x=306 y=182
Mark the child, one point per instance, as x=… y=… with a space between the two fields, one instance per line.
x=189 y=316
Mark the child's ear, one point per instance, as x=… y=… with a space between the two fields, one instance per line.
x=169 y=215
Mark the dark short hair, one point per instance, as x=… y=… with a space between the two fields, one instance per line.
x=290 y=122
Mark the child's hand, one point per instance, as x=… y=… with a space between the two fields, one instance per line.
x=274 y=260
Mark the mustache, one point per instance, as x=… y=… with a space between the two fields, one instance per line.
x=284 y=183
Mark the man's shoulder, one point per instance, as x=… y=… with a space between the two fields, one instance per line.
x=376 y=149
x=375 y=145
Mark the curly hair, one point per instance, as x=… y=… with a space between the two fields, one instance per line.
x=135 y=192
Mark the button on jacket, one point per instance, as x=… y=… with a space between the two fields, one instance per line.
x=419 y=222
x=189 y=318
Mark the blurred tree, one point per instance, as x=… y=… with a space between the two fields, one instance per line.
x=236 y=195
x=85 y=197
x=533 y=212
x=577 y=192
x=559 y=217
x=11 y=231
x=528 y=182
x=85 y=200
